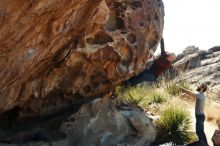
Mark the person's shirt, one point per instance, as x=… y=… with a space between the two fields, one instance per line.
x=159 y=66
x=200 y=103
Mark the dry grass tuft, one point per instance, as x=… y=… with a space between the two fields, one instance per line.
x=213 y=112
x=213 y=106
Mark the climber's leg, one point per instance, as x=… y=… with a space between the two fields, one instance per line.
x=145 y=76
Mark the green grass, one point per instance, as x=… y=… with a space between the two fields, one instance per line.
x=174 y=125
x=132 y=95
x=140 y=95
x=156 y=97
x=172 y=88
x=119 y=90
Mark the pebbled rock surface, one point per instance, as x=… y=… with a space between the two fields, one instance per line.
x=200 y=65
x=55 y=53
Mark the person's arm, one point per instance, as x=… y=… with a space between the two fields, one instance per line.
x=187 y=91
x=162 y=47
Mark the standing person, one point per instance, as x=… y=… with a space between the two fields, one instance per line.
x=199 y=110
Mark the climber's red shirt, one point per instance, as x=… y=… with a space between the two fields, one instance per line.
x=159 y=66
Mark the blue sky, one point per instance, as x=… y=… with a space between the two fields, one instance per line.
x=191 y=22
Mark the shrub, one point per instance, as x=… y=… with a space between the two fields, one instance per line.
x=119 y=90
x=172 y=88
x=156 y=97
x=174 y=125
x=214 y=95
x=213 y=106
x=218 y=122
x=132 y=95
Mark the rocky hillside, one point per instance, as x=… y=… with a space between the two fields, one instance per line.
x=56 y=55
x=200 y=65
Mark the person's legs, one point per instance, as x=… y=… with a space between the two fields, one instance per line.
x=146 y=75
x=200 y=119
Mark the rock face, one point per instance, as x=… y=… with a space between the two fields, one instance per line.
x=201 y=66
x=54 y=53
x=102 y=123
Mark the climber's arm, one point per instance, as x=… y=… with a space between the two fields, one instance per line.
x=163 y=52
x=191 y=94
x=162 y=47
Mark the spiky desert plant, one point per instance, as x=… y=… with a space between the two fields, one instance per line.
x=156 y=97
x=174 y=125
x=172 y=88
x=132 y=95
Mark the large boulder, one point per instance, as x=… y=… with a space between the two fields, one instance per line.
x=104 y=122
x=54 y=53
x=101 y=122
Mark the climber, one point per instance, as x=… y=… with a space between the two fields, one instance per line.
x=160 y=65
x=199 y=110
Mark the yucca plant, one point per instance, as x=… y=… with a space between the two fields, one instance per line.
x=119 y=90
x=172 y=88
x=174 y=125
x=156 y=97
x=132 y=95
